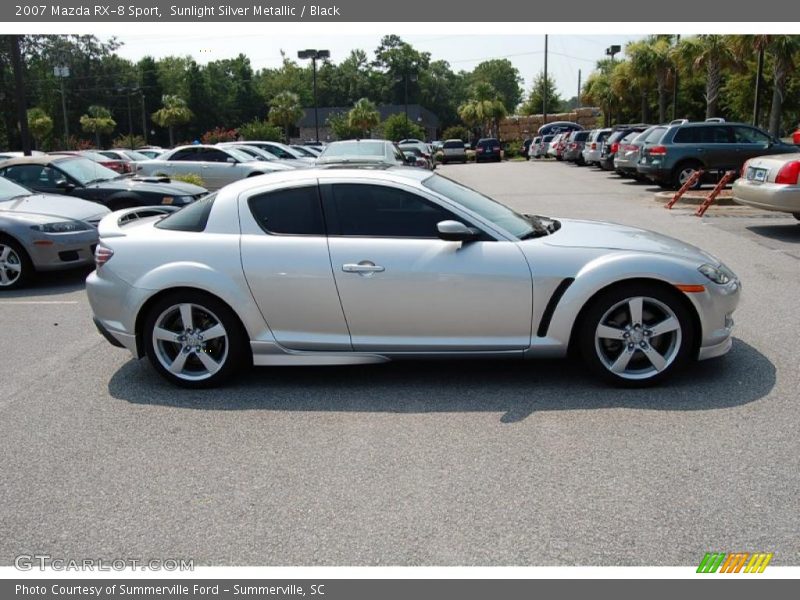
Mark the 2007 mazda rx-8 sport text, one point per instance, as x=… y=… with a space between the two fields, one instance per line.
x=348 y=266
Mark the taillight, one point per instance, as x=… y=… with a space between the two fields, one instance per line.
x=658 y=151
x=631 y=148
x=479 y=149
x=743 y=172
x=614 y=148
x=594 y=145
x=789 y=173
x=102 y=254
x=495 y=148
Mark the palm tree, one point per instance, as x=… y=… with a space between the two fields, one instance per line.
x=715 y=53
x=598 y=91
x=484 y=109
x=98 y=120
x=285 y=111
x=784 y=51
x=364 y=116
x=40 y=124
x=173 y=112
x=652 y=63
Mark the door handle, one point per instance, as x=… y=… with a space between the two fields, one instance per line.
x=365 y=267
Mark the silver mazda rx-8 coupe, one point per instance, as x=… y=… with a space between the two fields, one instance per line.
x=346 y=266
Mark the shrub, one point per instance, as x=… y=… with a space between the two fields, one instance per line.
x=456 y=132
x=396 y=128
x=129 y=141
x=219 y=134
x=192 y=178
x=261 y=131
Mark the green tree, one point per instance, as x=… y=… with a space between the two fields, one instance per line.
x=98 y=121
x=456 y=132
x=484 y=110
x=285 y=111
x=504 y=77
x=39 y=124
x=396 y=127
x=535 y=102
x=364 y=117
x=172 y=113
x=262 y=131
x=715 y=54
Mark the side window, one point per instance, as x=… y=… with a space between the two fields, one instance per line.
x=30 y=176
x=185 y=154
x=381 y=211
x=279 y=152
x=294 y=211
x=686 y=135
x=211 y=155
x=748 y=135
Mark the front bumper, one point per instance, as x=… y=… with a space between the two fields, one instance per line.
x=715 y=309
x=57 y=251
x=768 y=196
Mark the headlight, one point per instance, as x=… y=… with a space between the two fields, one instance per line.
x=720 y=275
x=177 y=200
x=62 y=227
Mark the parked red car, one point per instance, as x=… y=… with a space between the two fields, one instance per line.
x=120 y=166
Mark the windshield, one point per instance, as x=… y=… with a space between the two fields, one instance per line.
x=239 y=155
x=254 y=151
x=85 y=171
x=133 y=155
x=354 y=148
x=9 y=190
x=489 y=209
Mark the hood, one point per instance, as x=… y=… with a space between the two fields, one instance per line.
x=162 y=186
x=611 y=236
x=55 y=206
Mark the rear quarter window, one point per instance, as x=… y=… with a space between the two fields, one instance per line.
x=293 y=211
x=193 y=217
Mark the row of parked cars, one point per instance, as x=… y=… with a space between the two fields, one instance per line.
x=51 y=203
x=669 y=155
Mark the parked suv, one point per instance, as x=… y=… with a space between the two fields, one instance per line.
x=713 y=146
x=609 y=150
x=488 y=149
x=573 y=151
x=594 y=143
x=631 y=147
x=539 y=150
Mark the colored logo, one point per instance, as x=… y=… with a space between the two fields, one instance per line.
x=734 y=562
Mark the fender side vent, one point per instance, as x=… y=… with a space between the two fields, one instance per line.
x=550 y=309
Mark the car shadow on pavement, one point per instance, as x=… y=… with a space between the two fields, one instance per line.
x=51 y=284
x=516 y=389
x=789 y=232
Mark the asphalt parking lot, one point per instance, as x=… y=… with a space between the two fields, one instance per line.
x=416 y=463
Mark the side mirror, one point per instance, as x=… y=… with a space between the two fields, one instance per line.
x=65 y=185
x=455 y=231
x=230 y=160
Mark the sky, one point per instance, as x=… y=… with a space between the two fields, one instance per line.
x=568 y=54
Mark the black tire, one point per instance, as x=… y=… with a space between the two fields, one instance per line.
x=230 y=352
x=13 y=257
x=613 y=308
x=679 y=172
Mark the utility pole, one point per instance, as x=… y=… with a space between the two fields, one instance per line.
x=759 y=76
x=675 y=87
x=144 y=117
x=544 y=91
x=579 y=88
x=19 y=94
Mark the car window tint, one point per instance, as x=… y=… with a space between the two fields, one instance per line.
x=716 y=135
x=192 y=217
x=279 y=152
x=382 y=211
x=212 y=155
x=686 y=135
x=655 y=135
x=295 y=211
x=31 y=176
x=185 y=154
x=748 y=135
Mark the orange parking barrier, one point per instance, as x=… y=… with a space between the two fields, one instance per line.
x=684 y=188
x=711 y=198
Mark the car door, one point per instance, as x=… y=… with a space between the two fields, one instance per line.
x=750 y=142
x=215 y=168
x=405 y=290
x=180 y=162
x=287 y=266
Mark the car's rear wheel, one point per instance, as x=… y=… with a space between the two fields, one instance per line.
x=683 y=172
x=194 y=340
x=16 y=268
x=636 y=334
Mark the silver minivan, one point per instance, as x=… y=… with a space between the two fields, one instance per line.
x=454 y=151
x=591 y=150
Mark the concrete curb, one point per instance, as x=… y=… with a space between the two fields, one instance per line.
x=694 y=198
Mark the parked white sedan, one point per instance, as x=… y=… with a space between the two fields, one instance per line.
x=217 y=166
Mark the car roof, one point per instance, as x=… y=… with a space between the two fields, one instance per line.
x=39 y=160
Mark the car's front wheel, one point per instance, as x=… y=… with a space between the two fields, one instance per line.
x=194 y=340
x=636 y=334
x=16 y=268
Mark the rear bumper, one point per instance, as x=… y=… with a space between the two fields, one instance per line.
x=654 y=173
x=767 y=196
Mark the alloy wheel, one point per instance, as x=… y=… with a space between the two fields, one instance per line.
x=10 y=266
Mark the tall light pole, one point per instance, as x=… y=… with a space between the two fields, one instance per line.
x=314 y=55
x=612 y=51
x=544 y=90
x=62 y=73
